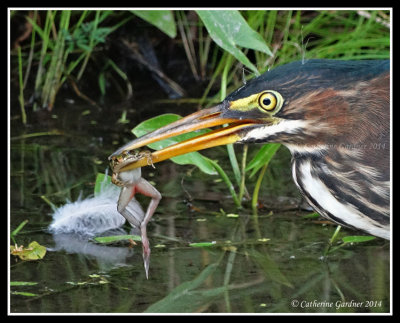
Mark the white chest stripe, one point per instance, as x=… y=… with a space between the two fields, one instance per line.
x=287 y=126
x=328 y=202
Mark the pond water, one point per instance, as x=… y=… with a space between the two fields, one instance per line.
x=267 y=264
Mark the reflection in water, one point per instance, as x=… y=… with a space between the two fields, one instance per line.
x=107 y=257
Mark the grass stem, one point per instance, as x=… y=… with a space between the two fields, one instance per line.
x=242 y=187
x=254 y=201
x=21 y=87
x=332 y=240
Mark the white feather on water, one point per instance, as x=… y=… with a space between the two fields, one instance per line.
x=92 y=215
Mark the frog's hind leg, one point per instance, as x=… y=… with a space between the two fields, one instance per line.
x=126 y=195
x=145 y=188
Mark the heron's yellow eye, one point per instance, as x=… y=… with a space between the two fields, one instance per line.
x=268 y=101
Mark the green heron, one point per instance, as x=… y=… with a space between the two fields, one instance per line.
x=333 y=116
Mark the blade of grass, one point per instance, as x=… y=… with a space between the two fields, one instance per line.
x=45 y=35
x=52 y=81
x=332 y=240
x=19 y=283
x=254 y=201
x=91 y=45
x=37 y=134
x=204 y=49
x=49 y=203
x=242 y=187
x=21 y=87
x=202 y=244
x=123 y=76
x=31 y=51
x=187 y=43
x=24 y=294
x=18 y=229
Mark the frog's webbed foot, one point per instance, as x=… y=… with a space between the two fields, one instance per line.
x=146 y=251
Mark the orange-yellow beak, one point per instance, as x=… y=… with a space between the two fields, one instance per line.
x=202 y=119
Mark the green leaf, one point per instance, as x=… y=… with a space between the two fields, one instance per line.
x=18 y=283
x=24 y=294
x=202 y=244
x=111 y=239
x=100 y=34
x=229 y=29
x=102 y=83
x=162 y=19
x=351 y=239
x=184 y=298
x=311 y=215
x=263 y=157
x=194 y=158
x=232 y=215
x=101 y=182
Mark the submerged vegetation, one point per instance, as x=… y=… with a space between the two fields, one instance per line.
x=101 y=57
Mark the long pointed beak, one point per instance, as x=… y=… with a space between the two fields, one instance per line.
x=202 y=119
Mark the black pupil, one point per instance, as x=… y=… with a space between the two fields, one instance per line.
x=267 y=101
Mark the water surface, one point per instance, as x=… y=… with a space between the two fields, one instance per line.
x=267 y=264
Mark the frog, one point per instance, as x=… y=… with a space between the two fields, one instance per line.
x=132 y=182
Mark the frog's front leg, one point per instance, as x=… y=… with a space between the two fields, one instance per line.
x=145 y=188
x=115 y=180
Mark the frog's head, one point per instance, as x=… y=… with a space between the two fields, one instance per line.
x=118 y=163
